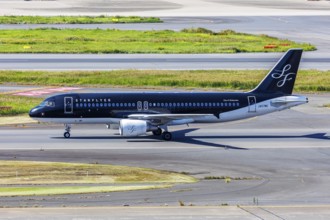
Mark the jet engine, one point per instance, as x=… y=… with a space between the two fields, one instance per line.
x=133 y=128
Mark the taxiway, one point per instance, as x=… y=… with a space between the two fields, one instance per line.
x=284 y=158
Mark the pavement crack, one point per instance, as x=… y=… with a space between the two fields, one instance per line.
x=251 y=213
x=272 y=213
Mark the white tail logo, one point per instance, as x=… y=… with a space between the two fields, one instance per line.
x=283 y=74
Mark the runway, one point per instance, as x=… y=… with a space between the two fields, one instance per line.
x=284 y=158
x=174 y=213
x=165 y=8
x=146 y=61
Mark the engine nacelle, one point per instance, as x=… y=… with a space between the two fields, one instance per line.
x=132 y=128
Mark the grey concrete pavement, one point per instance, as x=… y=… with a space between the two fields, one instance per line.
x=165 y=7
x=175 y=213
x=161 y=62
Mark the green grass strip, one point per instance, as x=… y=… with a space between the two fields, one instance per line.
x=34 y=172
x=61 y=190
x=307 y=80
x=15 y=105
x=187 y=41
x=76 y=19
x=52 y=178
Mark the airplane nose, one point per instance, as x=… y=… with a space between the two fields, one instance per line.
x=33 y=113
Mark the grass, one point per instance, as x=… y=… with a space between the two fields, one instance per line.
x=16 y=105
x=50 y=40
x=48 y=178
x=38 y=191
x=327 y=105
x=26 y=172
x=307 y=81
x=76 y=19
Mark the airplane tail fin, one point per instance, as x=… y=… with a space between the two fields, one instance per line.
x=282 y=76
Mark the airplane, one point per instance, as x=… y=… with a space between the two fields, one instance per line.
x=136 y=113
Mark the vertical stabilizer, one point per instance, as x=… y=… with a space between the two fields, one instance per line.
x=282 y=76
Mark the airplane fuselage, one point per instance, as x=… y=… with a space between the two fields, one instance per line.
x=109 y=108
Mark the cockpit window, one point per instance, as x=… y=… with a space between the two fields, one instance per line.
x=48 y=103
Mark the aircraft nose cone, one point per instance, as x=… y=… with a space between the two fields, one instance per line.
x=33 y=112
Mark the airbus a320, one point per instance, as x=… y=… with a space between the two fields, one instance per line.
x=137 y=113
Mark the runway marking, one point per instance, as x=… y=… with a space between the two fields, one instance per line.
x=41 y=92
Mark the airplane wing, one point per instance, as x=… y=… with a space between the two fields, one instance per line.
x=176 y=119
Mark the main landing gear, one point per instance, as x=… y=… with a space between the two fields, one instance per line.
x=167 y=136
x=67 y=131
x=157 y=132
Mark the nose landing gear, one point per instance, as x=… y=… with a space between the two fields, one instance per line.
x=67 y=131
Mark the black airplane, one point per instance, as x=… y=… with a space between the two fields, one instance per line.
x=137 y=113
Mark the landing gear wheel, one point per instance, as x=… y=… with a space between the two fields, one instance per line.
x=67 y=131
x=167 y=136
x=157 y=132
x=66 y=135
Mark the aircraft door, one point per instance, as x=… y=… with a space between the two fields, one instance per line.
x=252 y=104
x=139 y=105
x=68 y=105
x=145 y=105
